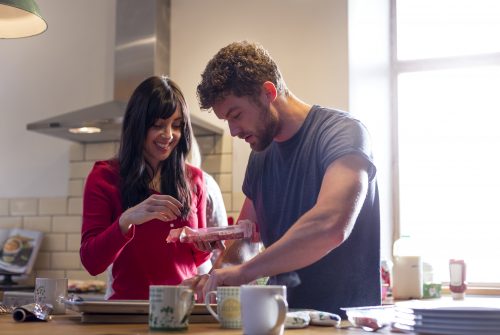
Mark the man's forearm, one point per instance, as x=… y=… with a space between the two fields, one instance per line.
x=237 y=252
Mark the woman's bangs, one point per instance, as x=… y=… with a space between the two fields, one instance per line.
x=167 y=109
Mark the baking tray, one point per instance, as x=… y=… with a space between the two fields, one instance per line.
x=122 y=307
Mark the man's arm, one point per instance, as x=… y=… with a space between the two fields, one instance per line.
x=235 y=252
x=240 y=251
x=320 y=230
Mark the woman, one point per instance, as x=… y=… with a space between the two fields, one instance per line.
x=132 y=202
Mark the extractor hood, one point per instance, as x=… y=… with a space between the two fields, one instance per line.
x=141 y=50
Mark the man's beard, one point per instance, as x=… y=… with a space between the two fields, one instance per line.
x=267 y=129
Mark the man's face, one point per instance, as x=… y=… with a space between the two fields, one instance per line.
x=254 y=122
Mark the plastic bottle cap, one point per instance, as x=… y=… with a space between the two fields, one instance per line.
x=457 y=296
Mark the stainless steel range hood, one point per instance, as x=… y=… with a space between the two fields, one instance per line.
x=141 y=50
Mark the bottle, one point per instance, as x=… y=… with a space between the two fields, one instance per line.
x=407 y=270
x=458 y=283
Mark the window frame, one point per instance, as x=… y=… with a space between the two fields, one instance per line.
x=398 y=67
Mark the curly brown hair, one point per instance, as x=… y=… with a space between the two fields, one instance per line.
x=240 y=68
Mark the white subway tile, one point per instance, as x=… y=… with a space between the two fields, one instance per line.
x=75 y=206
x=42 y=261
x=218 y=163
x=224 y=144
x=73 y=242
x=99 y=151
x=27 y=280
x=79 y=170
x=4 y=207
x=206 y=144
x=23 y=206
x=238 y=199
x=39 y=223
x=51 y=206
x=53 y=242
x=67 y=224
x=11 y=222
x=50 y=274
x=75 y=187
x=227 y=201
x=225 y=181
x=65 y=261
x=76 y=152
x=79 y=275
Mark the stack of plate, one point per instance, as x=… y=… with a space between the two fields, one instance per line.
x=475 y=317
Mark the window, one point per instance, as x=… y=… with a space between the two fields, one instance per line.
x=447 y=72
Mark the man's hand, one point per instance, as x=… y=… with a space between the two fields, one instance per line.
x=229 y=276
x=209 y=246
x=197 y=283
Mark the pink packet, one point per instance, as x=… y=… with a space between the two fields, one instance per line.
x=241 y=230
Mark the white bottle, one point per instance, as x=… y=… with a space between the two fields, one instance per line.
x=407 y=270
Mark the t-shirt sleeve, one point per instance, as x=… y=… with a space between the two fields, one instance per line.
x=342 y=137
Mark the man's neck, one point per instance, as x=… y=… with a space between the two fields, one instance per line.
x=292 y=113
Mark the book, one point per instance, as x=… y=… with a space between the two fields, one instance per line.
x=18 y=250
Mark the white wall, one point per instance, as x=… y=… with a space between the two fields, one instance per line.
x=308 y=40
x=66 y=68
x=70 y=67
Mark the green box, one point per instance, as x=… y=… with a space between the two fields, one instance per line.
x=432 y=290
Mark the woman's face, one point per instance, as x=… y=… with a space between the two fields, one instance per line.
x=162 y=138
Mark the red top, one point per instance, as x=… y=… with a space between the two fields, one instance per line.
x=142 y=257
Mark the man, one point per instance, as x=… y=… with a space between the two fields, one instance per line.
x=310 y=186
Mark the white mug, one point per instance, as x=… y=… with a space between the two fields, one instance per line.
x=263 y=309
x=228 y=306
x=52 y=291
x=169 y=307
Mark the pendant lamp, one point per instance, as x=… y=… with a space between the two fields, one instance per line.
x=20 y=18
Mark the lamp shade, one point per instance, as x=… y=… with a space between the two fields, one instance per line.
x=20 y=18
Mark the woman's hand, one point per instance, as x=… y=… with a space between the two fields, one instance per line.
x=157 y=206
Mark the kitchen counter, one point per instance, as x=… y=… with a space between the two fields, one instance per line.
x=70 y=325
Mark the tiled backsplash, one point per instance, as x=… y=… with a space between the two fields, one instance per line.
x=60 y=218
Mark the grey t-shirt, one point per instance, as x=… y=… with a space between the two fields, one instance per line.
x=284 y=181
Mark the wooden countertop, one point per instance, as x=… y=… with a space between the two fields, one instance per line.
x=70 y=325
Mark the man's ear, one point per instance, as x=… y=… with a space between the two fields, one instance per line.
x=270 y=91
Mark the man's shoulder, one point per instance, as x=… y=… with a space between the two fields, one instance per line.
x=331 y=122
x=321 y=115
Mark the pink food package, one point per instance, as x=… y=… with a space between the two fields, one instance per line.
x=241 y=230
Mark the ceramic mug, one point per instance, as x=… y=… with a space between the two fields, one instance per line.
x=263 y=309
x=228 y=306
x=169 y=307
x=52 y=291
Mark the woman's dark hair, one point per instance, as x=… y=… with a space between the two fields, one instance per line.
x=239 y=68
x=155 y=98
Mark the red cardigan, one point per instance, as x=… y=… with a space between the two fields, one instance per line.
x=141 y=257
